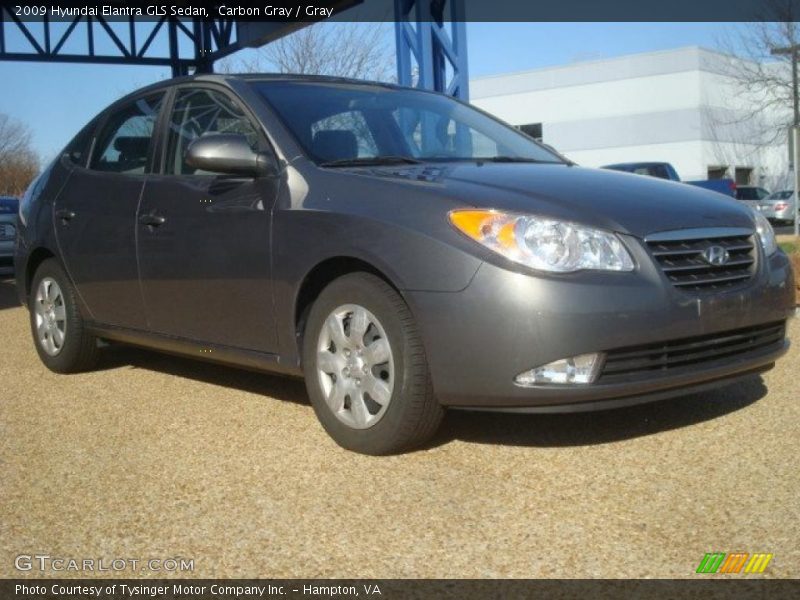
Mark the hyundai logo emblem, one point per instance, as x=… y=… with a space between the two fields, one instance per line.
x=716 y=255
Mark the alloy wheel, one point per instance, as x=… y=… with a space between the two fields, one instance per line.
x=355 y=366
x=51 y=316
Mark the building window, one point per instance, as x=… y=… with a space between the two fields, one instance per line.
x=744 y=175
x=533 y=129
x=717 y=172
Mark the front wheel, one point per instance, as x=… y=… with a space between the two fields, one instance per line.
x=365 y=368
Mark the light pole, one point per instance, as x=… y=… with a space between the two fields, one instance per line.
x=793 y=51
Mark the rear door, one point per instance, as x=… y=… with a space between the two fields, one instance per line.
x=204 y=238
x=95 y=214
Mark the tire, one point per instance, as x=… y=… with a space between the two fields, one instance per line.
x=404 y=412
x=65 y=346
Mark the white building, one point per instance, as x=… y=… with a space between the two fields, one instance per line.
x=677 y=106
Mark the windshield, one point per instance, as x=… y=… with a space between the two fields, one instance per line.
x=746 y=193
x=780 y=195
x=340 y=123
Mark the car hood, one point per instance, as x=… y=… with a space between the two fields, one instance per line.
x=622 y=202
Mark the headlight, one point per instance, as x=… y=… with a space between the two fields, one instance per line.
x=542 y=243
x=765 y=234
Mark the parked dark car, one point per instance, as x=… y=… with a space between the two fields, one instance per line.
x=750 y=192
x=402 y=250
x=8 y=230
x=664 y=170
x=751 y=195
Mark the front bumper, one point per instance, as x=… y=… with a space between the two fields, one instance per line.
x=505 y=322
x=7 y=257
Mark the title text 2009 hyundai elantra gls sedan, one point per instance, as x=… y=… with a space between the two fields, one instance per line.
x=401 y=250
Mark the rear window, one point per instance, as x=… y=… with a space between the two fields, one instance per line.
x=659 y=171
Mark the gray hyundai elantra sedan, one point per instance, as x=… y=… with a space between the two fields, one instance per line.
x=402 y=251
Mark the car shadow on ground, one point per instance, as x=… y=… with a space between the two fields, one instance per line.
x=599 y=427
x=8 y=293
x=527 y=430
x=575 y=429
x=287 y=389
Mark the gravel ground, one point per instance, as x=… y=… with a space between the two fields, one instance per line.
x=159 y=457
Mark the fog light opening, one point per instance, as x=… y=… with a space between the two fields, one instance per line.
x=581 y=369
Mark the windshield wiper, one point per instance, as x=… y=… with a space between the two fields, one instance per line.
x=371 y=160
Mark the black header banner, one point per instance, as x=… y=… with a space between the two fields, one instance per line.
x=383 y=10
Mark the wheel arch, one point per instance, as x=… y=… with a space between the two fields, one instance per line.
x=35 y=259
x=321 y=275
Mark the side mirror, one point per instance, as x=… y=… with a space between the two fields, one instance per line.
x=228 y=153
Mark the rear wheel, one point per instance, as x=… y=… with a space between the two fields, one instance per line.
x=365 y=368
x=58 y=330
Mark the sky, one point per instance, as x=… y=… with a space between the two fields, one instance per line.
x=56 y=100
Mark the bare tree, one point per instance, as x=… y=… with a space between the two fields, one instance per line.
x=762 y=80
x=357 y=50
x=18 y=162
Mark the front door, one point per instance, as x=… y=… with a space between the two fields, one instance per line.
x=204 y=239
x=95 y=215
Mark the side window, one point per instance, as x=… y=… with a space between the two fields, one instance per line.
x=199 y=112
x=124 y=141
x=659 y=171
x=342 y=136
x=77 y=152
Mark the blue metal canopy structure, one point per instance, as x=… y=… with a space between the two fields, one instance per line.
x=426 y=51
x=97 y=40
x=430 y=41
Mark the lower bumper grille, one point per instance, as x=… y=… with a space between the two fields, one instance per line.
x=625 y=364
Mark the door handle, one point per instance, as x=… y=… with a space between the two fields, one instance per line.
x=151 y=220
x=65 y=215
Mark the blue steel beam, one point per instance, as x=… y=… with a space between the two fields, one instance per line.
x=210 y=40
x=428 y=56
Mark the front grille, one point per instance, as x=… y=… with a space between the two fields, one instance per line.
x=634 y=362
x=6 y=231
x=682 y=260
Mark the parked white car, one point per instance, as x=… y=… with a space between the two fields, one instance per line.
x=779 y=207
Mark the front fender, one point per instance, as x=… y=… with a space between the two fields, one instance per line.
x=411 y=260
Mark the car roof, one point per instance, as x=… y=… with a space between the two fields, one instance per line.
x=225 y=79
x=309 y=78
x=646 y=163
